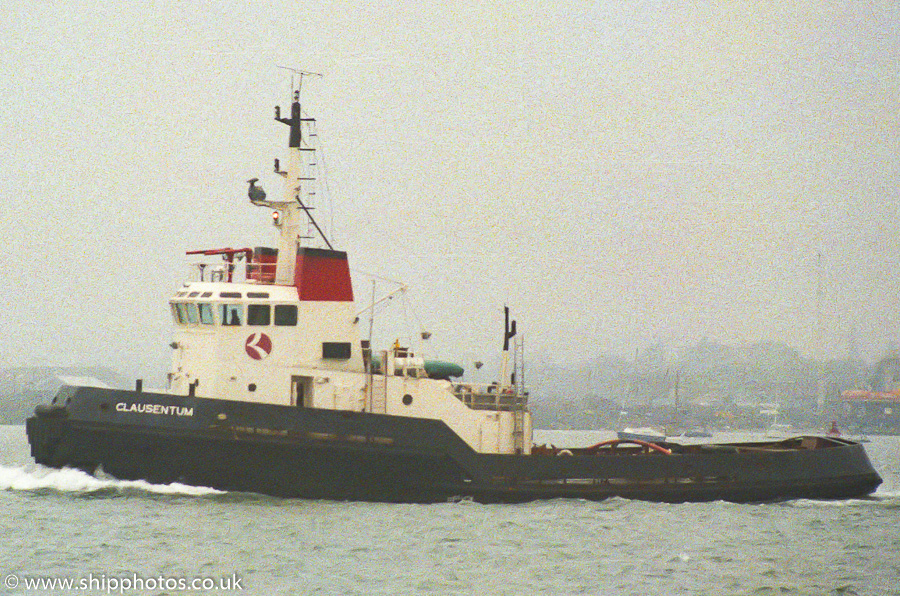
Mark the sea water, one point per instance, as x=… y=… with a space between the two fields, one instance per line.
x=110 y=536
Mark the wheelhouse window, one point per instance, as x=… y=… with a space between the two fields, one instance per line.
x=285 y=315
x=258 y=314
x=178 y=315
x=231 y=315
x=206 y=313
x=185 y=313
x=192 y=317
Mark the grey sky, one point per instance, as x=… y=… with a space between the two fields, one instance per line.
x=616 y=172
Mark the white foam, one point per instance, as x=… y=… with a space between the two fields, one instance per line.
x=888 y=494
x=76 y=481
x=876 y=497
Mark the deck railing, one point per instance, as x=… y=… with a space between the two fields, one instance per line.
x=491 y=397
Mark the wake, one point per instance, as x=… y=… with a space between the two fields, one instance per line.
x=67 y=480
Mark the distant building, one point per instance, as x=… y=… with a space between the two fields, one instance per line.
x=875 y=410
x=22 y=388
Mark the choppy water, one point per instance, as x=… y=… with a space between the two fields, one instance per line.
x=66 y=524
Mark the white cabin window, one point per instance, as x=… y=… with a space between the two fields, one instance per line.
x=285 y=315
x=258 y=314
x=231 y=315
x=206 y=314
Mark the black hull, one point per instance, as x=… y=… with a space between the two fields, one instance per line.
x=326 y=454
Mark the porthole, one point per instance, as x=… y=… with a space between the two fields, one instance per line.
x=251 y=387
x=407 y=399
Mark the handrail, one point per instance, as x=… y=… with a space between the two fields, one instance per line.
x=490 y=397
x=227 y=269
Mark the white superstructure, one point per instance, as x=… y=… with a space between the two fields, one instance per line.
x=278 y=326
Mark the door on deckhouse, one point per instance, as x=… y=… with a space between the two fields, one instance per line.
x=301 y=392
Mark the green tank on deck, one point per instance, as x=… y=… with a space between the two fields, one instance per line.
x=436 y=369
x=443 y=370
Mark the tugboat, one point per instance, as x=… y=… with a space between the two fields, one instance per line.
x=273 y=390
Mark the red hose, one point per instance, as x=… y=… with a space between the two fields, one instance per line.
x=645 y=444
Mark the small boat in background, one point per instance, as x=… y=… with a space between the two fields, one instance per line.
x=776 y=430
x=834 y=433
x=697 y=433
x=644 y=433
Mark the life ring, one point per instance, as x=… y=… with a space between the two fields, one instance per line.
x=613 y=443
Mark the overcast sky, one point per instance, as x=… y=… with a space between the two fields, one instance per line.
x=618 y=173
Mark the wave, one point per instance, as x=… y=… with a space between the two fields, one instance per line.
x=888 y=499
x=68 y=480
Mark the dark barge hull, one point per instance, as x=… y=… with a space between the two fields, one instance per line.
x=295 y=452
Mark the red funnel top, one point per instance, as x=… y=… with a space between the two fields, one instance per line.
x=323 y=275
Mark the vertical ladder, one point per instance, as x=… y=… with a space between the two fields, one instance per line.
x=306 y=181
x=519 y=364
x=518 y=409
x=379 y=394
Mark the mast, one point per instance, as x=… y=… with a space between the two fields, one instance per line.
x=299 y=192
x=820 y=364
x=509 y=331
